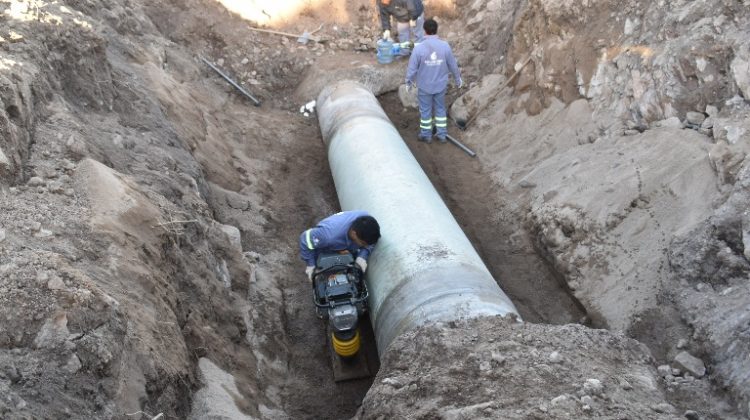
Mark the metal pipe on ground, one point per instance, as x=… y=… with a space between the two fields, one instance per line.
x=424 y=269
x=460 y=145
x=233 y=83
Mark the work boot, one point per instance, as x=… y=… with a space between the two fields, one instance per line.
x=442 y=139
x=427 y=140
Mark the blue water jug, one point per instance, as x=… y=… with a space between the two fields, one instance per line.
x=385 y=53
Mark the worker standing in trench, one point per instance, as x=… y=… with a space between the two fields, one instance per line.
x=409 y=15
x=354 y=231
x=430 y=66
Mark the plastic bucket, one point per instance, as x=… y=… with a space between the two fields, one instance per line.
x=385 y=53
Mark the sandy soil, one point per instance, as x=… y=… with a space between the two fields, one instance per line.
x=504 y=369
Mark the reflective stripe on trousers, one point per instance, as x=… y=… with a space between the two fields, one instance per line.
x=427 y=103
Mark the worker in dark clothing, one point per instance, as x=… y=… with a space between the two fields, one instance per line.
x=354 y=231
x=409 y=15
x=430 y=65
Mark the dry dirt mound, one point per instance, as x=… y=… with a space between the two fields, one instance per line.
x=502 y=369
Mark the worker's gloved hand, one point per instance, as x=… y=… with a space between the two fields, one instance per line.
x=409 y=87
x=387 y=35
x=361 y=263
x=460 y=83
x=309 y=271
x=413 y=23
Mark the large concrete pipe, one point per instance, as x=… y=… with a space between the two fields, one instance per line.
x=423 y=268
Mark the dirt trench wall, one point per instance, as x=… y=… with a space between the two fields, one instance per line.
x=17 y=117
x=116 y=279
x=622 y=145
x=641 y=61
x=712 y=265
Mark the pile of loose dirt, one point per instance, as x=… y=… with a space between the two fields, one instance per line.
x=499 y=368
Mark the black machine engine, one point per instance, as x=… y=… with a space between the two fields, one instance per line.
x=340 y=295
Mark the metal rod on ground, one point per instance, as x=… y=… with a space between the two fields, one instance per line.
x=268 y=31
x=233 y=83
x=460 y=145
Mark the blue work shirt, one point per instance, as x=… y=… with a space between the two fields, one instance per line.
x=430 y=64
x=330 y=235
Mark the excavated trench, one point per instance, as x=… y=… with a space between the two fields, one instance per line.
x=266 y=173
x=496 y=229
x=487 y=222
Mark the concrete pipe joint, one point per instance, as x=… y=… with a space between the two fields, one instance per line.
x=424 y=269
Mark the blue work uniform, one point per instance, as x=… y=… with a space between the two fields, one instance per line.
x=330 y=235
x=430 y=65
